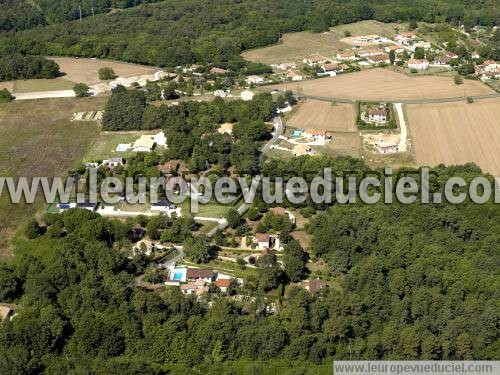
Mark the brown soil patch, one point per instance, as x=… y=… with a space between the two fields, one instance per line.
x=457 y=133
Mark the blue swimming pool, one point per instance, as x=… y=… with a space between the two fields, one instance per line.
x=177 y=276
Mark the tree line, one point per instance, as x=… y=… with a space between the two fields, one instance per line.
x=173 y=33
x=26 y=67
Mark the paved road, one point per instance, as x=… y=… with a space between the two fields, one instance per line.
x=278 y=131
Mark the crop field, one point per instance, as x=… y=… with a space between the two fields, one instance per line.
x=386 y=85
x=37 y=138
x=457 y=133
x=86 y=70
x=321 y=115
x=294 y=46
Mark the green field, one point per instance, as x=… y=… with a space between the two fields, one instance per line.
x=35 y=85
x=37 y=138
x=105 y=144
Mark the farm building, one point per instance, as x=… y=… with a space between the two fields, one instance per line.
x=420 y=64
x=164 y=206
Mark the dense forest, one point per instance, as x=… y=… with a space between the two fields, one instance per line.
x=22 y=14
x=415 y=282
x=27 y=67
x=191 y=127
x=172 y=32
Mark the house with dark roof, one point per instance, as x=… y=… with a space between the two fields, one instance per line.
x=204 y=274
x=316 y=284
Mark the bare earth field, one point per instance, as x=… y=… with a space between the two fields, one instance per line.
x=320 y=115
x=85 y=70
x=383 y=84
x=457 y=133
x=37 y=138
x=294 y=46
x=342 y=144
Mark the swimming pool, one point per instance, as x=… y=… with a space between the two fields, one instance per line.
x=177 y=276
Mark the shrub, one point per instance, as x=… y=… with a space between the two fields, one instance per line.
x=5 y=96
x=106 y=73
x=81 y=90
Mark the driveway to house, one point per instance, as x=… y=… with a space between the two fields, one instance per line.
x=403 y=129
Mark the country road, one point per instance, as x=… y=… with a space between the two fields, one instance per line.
x=402 y=101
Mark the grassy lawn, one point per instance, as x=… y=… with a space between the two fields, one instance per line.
x=211 y=209
x=34 y=85
x=234 y=268
x=37 y=138
x=105 y=144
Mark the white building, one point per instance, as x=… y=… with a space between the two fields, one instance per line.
x=256 y=80
x=377 y=115
x=114 y=162
x=314 y=59
x=420 y=64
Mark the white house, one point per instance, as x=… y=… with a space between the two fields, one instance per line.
x=145 y=143
x=314 y=59
x=397 y=48
x=287 y=65
x=378 y=59
x=266 y=241
x=256 y=80
x=317 y=135
x=114 y=162
x=377 y=115
x=389 y=146
x=294 y=76
x=370 y=52
x=367 y=39
x=421 y=64
x=160 y=139
x=247 y=95
x=166 y=207
x=346 y=55
x=220 y=93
